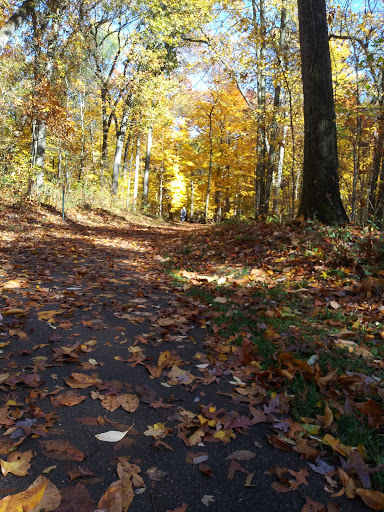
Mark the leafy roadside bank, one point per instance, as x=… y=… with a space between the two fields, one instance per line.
x=303 y=304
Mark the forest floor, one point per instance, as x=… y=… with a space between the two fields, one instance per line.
x=157 y=367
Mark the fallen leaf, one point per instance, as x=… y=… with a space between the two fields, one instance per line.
x=51 y=498
x=77 y=495
x=313 y=506
x=279 y=443
x=128 y=402
x=81 y=381
x=373 y=499
x=23 y=501
x=248 y=481
x=17 y=463
x=61 y=450
x=157 y=431
x=241 y=455
x=235 y=466
x=183 y=508
x=328 y=416
x=370 y=408
x=207 y=500
x=112 y=436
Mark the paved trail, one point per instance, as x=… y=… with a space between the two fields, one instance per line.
x=101 y=341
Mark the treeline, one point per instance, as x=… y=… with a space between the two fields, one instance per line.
x=155 y=105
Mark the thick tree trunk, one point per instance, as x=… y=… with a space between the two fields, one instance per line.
x=14 y=22
x=321 y=194
x=147 y=166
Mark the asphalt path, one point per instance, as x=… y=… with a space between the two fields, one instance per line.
x=110 y=313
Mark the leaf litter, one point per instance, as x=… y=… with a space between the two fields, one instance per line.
x=283 y=324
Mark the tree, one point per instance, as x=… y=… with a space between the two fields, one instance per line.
x=321 y=193
x=14 y=22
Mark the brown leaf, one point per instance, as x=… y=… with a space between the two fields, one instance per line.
x=88 y=420
x=304 y=448
x=257 y=415
x=165 y=322
x=235 y=466
x=128 y=402
x=373 y=499
x=159 y=443
x=112 y=499
x=76 y=498
x=155 y=371
x=183 y=508
x=279 y=443
x=81 y=381
x=68 y=399
x=61 y=450
x=51 y=498
x=241 y=455
x=110 y=403
x=370 y=408
x=312 y=506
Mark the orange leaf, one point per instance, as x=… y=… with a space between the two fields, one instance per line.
x=373 y=499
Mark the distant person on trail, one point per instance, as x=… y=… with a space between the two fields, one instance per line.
x=183 y=214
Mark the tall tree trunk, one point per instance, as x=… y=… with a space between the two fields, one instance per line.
x=210 y=163
x=161 y=184
x=44 y=72
x=321 y=193
x=192 y=208
x=218 y=194
x=82 y=149
x=120 y=137
x=279 y=174
x=274 y=154
x=106 y=126
x=262 y=196
x=356 y=138
x=147 y=166
x=137 y=169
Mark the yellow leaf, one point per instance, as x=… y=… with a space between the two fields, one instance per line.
x=24 y=501
x=17 y=463
x=48 y=315
x=328 y=416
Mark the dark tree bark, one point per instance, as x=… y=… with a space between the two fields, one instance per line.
x=321 y=193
